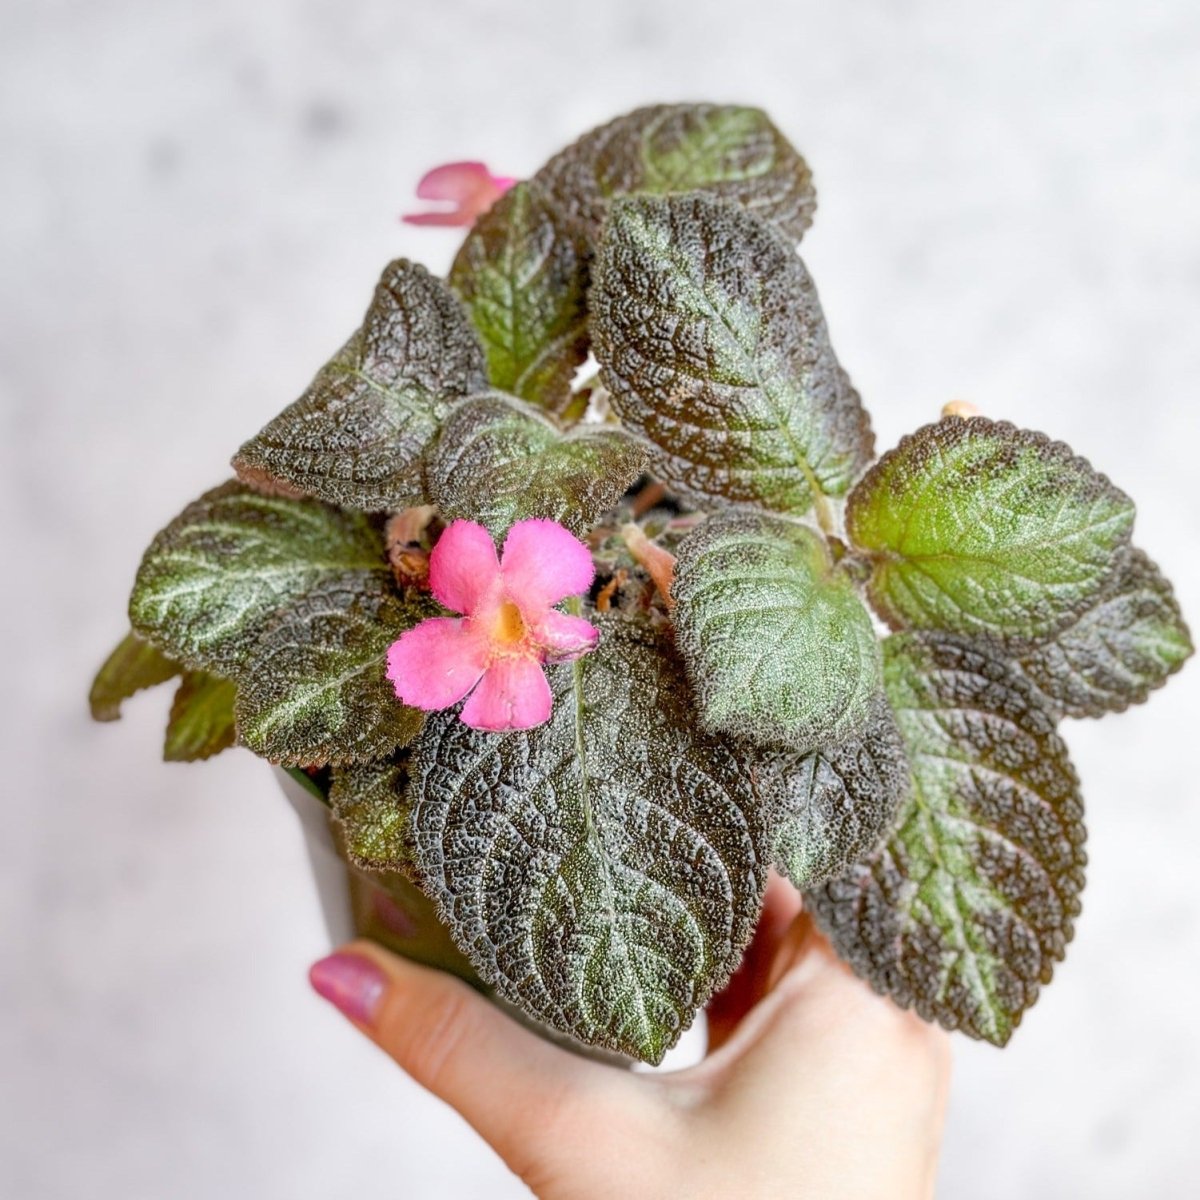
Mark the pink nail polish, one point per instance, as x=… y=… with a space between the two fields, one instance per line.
x=351 y=983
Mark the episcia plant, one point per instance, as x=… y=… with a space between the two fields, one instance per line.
x=574 y=586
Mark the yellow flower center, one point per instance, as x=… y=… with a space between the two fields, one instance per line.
x=508 y=628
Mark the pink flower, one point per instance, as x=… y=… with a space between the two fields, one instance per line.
x=468 y=187
x=494 y=652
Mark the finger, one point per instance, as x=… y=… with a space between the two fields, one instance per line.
x=822 y=1041
x=818 y=1003
x=798 y=954
x=805 y=952
x=960 y=408
x=808 y=984
x=513 y=1087
x=751 y=981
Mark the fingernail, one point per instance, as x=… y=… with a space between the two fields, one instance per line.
x=351 y=983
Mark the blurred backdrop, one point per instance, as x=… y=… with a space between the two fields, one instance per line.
x=196 y=201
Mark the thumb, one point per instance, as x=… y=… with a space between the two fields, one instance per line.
x=519 y=1092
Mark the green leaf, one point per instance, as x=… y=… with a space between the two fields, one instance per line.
x=316 y=783
x=201 y=722
x=714 y=347
x=966 y=909
x=1117 y=651
x=135 y=664
x=977 y=527
x=834 y=805
x=605 y=870
x=733 y=152
x=777 y=644
x=499 y=461
x=523 y=274
x=213 y=579
x=370 y=804
x=358 y=435
x=315 y=689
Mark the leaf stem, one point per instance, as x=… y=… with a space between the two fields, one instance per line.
x=575 y=408
x=824 y=513
x=648 y=497
x=659 y=563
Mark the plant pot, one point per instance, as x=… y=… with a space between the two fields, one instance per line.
x=391 y=910
x=382 y=906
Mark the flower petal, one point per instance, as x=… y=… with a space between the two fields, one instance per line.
x=542 y=563
x=468 y=187
x=435 y=664
x=513 y=694
x=454 y=181
x=563 y=637
x=439 y=216
x=463 y=566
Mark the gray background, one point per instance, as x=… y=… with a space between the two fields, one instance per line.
x=196 y=200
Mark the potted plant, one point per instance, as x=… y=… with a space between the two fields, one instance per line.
x=575 y=594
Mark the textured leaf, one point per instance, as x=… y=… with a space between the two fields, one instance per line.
x=135 y=664
x=733 y=152
x=834 y=805
x=358 y=434
x=523 y=274
x=215 y=576
x=604 y=870
x=370 y=804
x=975 y=526
x=498 y=461
x=1127 y=643
x=201 y=722
x=778 y=646
x=714 y=347
x=966 y=909
x=314 y=689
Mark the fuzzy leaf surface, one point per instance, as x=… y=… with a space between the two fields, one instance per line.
x=1116 y=652
x=358 y=435
x=605 y=870
x=499 y=461
x=214 y=578
x=523 y=274
x=370 y=803
x=201 y=722
x=834 y=805
x=314 y=690
x=712 y=342
x=778 y=646
x=730 y=151
x=964 y=911
x=977 y=527
x=135 y=664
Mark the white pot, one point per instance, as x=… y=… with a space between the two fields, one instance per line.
x=328 y=869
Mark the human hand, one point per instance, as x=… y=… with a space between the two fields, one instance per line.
x=812 y=1086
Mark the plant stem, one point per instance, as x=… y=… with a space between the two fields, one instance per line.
x=576 y=407
x=659 y=563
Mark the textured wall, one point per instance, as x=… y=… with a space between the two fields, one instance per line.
x=197 y=198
